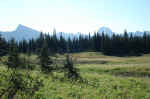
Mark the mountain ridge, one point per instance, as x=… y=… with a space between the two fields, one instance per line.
x=26 y=33
x=21 y=33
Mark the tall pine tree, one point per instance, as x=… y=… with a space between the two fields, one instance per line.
x=45 y=60
x=13 y=56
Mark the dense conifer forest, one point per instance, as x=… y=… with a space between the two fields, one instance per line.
x=123 y=45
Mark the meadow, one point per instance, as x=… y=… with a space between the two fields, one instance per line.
x=105 y=77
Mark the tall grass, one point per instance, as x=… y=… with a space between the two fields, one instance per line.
x=105 y=77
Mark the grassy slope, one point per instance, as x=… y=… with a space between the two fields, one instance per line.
x=107 y=77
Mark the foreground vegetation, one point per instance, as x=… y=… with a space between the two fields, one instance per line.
x=107 y=77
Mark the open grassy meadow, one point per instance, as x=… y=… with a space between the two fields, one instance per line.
x=105 y=77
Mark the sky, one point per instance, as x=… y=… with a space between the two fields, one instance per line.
x=75 y=15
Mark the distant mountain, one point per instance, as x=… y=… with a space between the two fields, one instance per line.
x=21 y=33
x=106 y=30
x=68 y=35
x=25 y=33
x=139 y=33
x=109 y=32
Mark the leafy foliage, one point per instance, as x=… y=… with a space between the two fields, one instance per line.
x=20 y=83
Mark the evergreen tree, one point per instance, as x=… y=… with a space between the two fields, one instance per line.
x=126 y=42
x=45 y=60
x=70 y=71
x=62 y=44
x=13 y=57
x=25 y=46
x=3 y=46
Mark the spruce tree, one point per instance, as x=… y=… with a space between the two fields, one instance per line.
x=3 y=46
x=13 y=57
x=45 y=60
x=70 y=71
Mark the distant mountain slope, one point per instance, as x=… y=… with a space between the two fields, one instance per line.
x=25 y=33
x=109 y=32
x=139 y=33
x=21 y=33
x=68 y=35
x=106 y=30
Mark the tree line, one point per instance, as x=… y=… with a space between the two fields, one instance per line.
x=117 y=44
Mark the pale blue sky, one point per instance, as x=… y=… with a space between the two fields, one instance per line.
x=75 y=15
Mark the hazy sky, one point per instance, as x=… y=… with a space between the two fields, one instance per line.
x=75 y=15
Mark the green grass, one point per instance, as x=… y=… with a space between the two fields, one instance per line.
x=105 y=77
